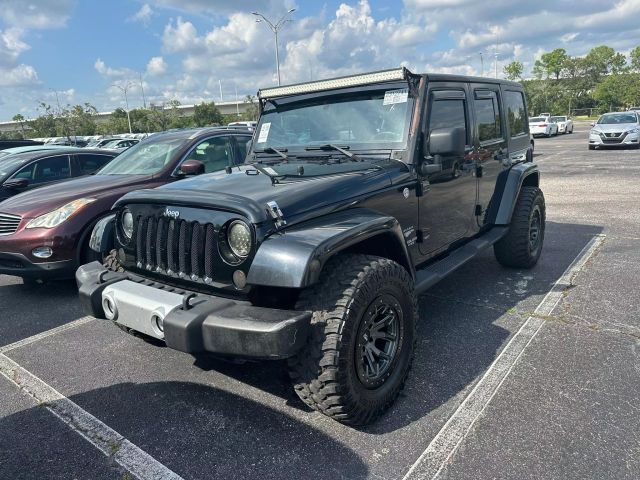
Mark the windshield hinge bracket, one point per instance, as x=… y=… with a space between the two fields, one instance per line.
x=276 y=214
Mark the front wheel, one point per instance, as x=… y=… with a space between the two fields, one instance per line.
x=522 y=245
x=361 y=342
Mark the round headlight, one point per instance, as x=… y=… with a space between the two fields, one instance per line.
x=127 y=224
x=239 y=238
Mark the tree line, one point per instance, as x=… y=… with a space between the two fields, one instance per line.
x=82 y=120
x=604 y=80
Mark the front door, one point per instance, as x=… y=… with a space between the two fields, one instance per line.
x=446 y=208
x=490 y=144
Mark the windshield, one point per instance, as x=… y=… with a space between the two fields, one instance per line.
x=144 y=158
x=617 y=118
x=372 y=120
x=558 y=119
x=537 y=119
x=9 y=165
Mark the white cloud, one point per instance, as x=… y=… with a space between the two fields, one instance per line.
x=156 y=66
x=143 y=15
x=36 y=14
x=109 y=72
x=19 y=76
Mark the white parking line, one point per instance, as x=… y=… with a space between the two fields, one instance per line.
x=48 y=333
x=446 y=442
x=130 y=457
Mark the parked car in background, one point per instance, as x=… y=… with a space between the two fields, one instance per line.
x=565 y=124
x=99 y=143
x=542 y=126
x=29 y=148
x=250 y=125
x=634 y=109
x=120 y=145
x=45 y=233
x=544 y=114
x=4 y=144
x=616 y=129
x=35 y=169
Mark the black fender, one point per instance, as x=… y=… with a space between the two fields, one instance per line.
x=101 y=239
x=294 y=257
x=507 y=189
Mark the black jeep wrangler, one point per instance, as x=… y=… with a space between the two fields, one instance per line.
x=358 y=193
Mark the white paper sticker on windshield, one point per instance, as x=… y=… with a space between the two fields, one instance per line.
x=264 y=132
x=395 y=96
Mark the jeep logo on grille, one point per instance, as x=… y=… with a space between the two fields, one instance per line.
x=171 y=213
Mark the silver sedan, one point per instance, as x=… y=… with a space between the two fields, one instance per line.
x=616 y=129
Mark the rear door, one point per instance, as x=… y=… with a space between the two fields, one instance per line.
x=490 y=151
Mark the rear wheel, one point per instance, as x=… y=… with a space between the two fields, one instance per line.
x=522 y=245
x=361 y=343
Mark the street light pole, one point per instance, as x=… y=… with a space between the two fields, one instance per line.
x=481 y=65
x=275 y=28
x=126 y=100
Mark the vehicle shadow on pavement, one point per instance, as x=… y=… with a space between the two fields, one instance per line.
x=46 y=306
x=192 y=429
x=464 y=323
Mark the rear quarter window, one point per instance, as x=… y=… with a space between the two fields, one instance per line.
x=516 y=118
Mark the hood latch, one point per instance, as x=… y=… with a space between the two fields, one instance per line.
x=276 y=214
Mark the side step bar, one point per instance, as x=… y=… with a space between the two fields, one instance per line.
x=432 y=274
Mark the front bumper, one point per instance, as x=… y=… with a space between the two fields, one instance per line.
x=191 y=322
x=623 y=140
x=20 y=266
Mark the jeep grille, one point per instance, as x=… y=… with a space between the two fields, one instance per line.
x=176 y=248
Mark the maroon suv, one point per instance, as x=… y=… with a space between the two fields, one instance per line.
x=45 y=232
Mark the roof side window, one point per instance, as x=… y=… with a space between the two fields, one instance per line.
x=514 y=102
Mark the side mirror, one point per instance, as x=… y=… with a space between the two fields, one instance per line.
x=191 y=167
x=17 y=183
x=447 y=141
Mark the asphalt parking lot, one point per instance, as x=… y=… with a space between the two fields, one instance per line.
x=518 y=374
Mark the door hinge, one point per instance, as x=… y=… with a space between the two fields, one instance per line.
x=419 y=236
x=478 y=210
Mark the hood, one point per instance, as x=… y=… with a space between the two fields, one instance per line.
x=615 y=127
x=45 y=199
x=249 y=194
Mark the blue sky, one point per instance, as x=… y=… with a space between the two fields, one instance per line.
x=184 y=49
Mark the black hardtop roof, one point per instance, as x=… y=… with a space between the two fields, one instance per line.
x=446 y=77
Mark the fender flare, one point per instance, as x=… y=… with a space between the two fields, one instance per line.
x=507 y=189
x=295 y=257
x=101 y=238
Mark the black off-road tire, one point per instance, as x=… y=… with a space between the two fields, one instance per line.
x=328 y=372
x=112 y=263
x=517 y=249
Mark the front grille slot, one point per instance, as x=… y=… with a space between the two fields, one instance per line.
x=9 y=223
x=183 y=245
x=176 y=248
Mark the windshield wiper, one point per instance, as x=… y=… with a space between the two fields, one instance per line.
x=274 y=150
x=329 y=146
